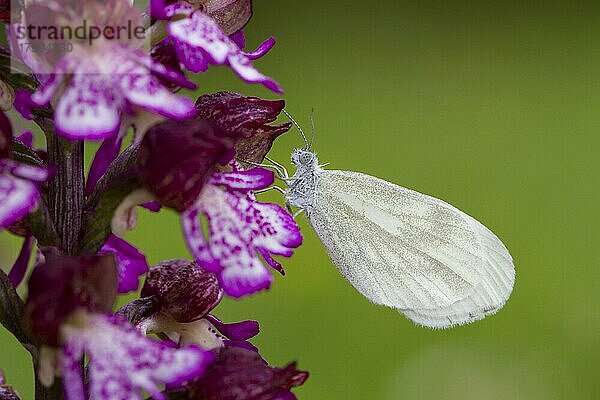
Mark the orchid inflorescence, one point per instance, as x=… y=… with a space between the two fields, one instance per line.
x=158 y=149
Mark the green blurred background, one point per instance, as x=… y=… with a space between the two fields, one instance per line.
x=494 y=108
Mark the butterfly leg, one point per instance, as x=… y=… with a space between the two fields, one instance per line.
x=300 y=211
x=282 y=174
x=280 y=190
x=278 y=165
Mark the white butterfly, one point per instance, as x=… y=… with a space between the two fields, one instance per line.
x=403 y=249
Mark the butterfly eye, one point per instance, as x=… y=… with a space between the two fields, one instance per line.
x=305 y=158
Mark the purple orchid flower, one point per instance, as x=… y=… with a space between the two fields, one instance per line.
x=180 y=296
x=177 y=163
x=67 y=308
x=123 y=361
x=103 y=88
x=91 y=91
x=19 y=183
x=240 y=228
x=199 y=40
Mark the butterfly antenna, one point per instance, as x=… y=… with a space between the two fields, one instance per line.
x=312 y=124
x=297 y=126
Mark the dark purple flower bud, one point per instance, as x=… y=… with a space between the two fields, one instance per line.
x=182 y=290
x=63 y=284
x=176 y=158
x=248 y=116
x=5 y=135
x=239 y=374
x=236 y=113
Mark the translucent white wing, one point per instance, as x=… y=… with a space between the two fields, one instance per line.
x=403 y=249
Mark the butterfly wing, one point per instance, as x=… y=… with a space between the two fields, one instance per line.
x=403 y=249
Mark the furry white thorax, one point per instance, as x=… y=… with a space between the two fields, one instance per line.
x=302 y=185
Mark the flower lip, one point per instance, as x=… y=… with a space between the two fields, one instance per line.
x=240 y=228
x=143 y=363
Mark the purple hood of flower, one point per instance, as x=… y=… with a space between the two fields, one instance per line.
x=176 y=158
x=247 y=116
x=237 y=113
x=182 y=290
x=63 y=284
x=231 y=15
x=239 y=374
x=5 y=10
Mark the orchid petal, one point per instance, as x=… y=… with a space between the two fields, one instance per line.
x=17 y=272
x=131 y=263
x=123 y=361
x=25 y=138
x=199 y=40
x=235 y=331
x=88 y=109
x=253 y=179
x=239 y=38
x=146 y=91
x=239 y=227
x=18 y=197
x=262 y=49
x=107 y=152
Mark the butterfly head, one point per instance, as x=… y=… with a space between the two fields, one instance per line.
x=304 y=158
